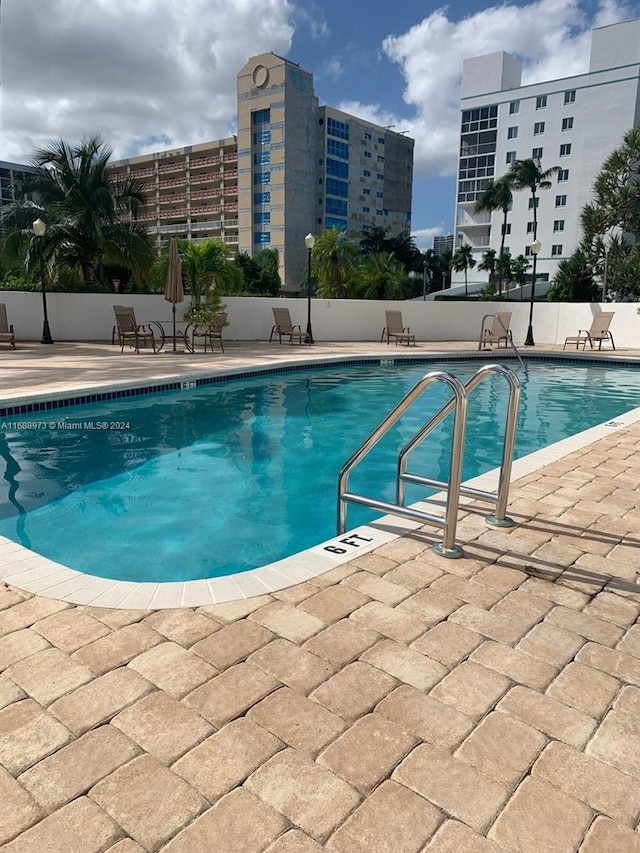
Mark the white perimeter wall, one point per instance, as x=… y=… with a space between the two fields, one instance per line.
x=89 y=317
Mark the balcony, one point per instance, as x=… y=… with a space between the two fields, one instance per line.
x=173 y=229
x=206 y=194
x=169 y=199
x=205 y=161
x=205 y=178
x=174 y=214
x=171 y=167
x=231 y=175
x=143 y=173
x=231 y=158
x=207 y=225
x=209 y=208
x=478 y=220
x=230 y=191
x=230 y=208
x=173 y=182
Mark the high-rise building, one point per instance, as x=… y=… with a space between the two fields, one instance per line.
x=573 y=123
x=294 y=168
x=12 y=177
x=443 y=245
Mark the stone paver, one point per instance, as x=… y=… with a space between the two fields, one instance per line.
x=396 y=702
x=148 y=801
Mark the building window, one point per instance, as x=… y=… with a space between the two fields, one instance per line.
x=538 y=128
x=380 y=158
x=366 y=210
x=558 y=224
x=506 y=229
x=337 y=128
x=567 y=123
x=536 y=154
x=262 y=178
x=379 y=195
x=339 y=188
x=511 y=157
x=565 y=150
x=541 y=102
x=263 y=158
x=534 y=202
x=261 y=116
x=261 y=238
x=337 y=169
x=570 y=96
x=337 y=149
x=527 y=251
x=381 y=140
x=481 y=118
x=367 y=136
x=561 y=201
x=514 y=107
x=262 y=218
x=366 y=191
x=332 y=222
x=563 y=175
x=556 y=250
x=262 y=137
x=335 y=207
x=262 y=198
x=530 y=227
x=512 y=133
x=380 y=176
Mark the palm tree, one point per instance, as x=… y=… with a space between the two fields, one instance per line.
x=382 y=277
x=519 y=267
x=462 y=261
x=489 y=263
x=90 y=215
x=528 y=174
x=207 y=270
x=427 y=265
x=333 y=257
x=497 y=196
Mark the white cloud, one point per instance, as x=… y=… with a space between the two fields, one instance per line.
x=146 y=75
x=552 y=40
x=423 y=237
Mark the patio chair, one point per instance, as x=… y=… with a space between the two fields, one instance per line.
x=283 y=327
x=6 y=331
x=209 y=332
x=129 y=330
x=598 y=332
x=396 y=329
x=498 y=331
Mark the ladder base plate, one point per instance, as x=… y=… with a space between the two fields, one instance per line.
x=450 y=553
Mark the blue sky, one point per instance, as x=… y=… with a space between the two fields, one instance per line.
x=155 y=74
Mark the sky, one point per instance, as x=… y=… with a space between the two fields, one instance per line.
x=155 y=74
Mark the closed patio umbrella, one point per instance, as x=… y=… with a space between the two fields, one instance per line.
x=174 y=291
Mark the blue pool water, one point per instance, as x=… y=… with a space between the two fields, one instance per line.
x=227 y=477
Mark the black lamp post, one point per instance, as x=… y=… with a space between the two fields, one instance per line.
x=535 y=251
x=38 y=229
x=309 y=242
x=607 y=249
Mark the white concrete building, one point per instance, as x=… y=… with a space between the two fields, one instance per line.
x=573 y=123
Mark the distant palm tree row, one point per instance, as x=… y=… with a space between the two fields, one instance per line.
x=523 y=175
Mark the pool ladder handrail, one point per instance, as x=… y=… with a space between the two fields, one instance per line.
x=508 y=337
x=458 y=405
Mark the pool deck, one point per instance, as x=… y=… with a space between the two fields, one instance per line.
x=398 y=702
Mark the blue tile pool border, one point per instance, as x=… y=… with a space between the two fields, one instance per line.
x=36 y=406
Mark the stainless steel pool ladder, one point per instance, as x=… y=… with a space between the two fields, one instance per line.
x=508 y=337
x=458 y=405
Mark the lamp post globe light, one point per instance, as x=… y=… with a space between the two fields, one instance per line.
x=535 y=251
x=309 y=242
x=39 y=229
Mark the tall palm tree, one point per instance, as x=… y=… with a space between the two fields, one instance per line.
x=489 y=263
x=90 y=214
x=333 y=257
x=462 y=261
x=529 y=175
x=497 y=196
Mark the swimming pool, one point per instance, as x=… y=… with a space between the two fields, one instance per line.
x=217 y=480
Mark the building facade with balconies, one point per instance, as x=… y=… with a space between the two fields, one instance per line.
x=573 y=123
x=294 y=168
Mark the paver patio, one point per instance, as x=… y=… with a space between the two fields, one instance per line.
x=400 y=702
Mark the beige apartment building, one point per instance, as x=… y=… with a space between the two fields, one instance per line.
x=294 y=168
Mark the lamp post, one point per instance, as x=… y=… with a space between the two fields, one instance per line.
x=38 y=229
x=607 y=249
x=424 y=281
x=535 y=251
x=309 y=242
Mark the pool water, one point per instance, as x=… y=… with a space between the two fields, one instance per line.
x=224 y=478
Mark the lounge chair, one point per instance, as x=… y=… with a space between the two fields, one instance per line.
x=283 y=327
x=598 y=332
x=129 y=330
x=396 y=329
x=498 y=331
x=209 y=332
x=6 y=331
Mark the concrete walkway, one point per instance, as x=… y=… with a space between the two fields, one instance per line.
x=397 y=703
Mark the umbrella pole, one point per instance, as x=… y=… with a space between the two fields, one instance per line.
x=174 y=326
